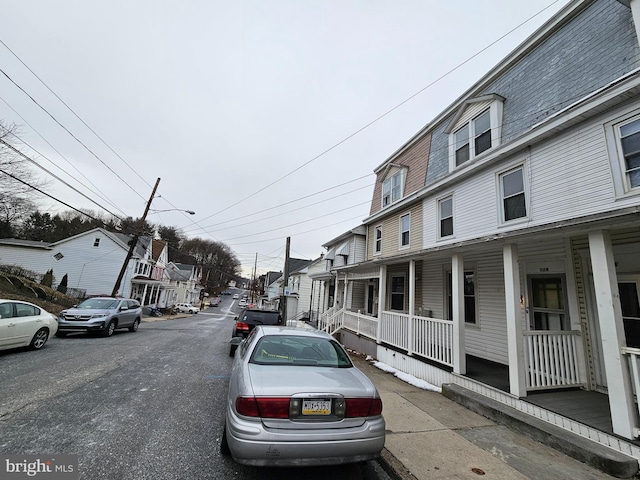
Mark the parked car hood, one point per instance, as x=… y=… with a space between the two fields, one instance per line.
x=88 y=311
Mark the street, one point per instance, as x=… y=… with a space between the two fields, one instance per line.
x=143 y=405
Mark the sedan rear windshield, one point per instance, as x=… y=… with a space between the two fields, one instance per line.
x=298 y=350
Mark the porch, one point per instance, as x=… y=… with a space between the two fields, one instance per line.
x=423 y=347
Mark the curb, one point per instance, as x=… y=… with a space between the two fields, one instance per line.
x=394 y=467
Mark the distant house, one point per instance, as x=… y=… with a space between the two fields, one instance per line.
x=92 y=262
x=184 y=283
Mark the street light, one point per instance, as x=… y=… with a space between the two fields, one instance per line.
x=190 y=212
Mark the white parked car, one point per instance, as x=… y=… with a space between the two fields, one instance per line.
x=186 y=308
x=25 y=324
x=242 y=303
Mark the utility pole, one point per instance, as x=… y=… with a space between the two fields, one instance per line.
x=285 y=280
x=254 y=296
x=134 y=241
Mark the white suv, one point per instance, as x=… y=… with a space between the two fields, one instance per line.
x=186 y=308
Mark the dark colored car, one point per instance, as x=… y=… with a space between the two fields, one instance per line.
x=247 y=321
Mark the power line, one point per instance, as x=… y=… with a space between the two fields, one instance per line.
x=56 y=177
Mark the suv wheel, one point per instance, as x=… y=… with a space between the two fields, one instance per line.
x=134 y=327
x=111 y=327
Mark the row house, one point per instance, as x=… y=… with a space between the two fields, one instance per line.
x=502 y=249
x=184 y=284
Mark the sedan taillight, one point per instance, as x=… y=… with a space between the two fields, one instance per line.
x=263 y=407
x=281 y=407
x=363 y=407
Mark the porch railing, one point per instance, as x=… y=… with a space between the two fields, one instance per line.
x=552 y=359
x=634 y=369
x=360 y=323
x=430 y=338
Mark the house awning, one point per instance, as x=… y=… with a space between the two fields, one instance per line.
x=331 y=254
x=344 y=249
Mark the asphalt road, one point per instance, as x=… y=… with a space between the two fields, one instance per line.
x=143 y=405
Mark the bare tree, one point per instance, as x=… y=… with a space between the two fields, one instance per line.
x=16 y=183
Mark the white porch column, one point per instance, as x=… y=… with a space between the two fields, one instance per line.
x=605 y=284
x=144 y=293
x=457 y=314
x=412 y=301
x=515 y=339
x=382 y=297
x=346 y=287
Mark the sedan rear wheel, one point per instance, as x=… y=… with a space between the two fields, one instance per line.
x=39 y=339
x=111 y=327
x=134 y=327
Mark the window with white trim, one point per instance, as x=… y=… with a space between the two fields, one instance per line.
x=513 y=194
x=548 y=305
x=405 y=230
x=470 y=316
x=397 y=293
x=445 y=214
x=392 y=188
x=474 y=129
x=629 y=145
x=377 y=247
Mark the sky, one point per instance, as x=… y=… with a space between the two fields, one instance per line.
x=266 y=118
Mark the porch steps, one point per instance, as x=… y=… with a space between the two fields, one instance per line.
x=573 y=445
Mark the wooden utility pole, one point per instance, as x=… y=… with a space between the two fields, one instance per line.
x=134 y=241
x=254 y=296
x=285 y=281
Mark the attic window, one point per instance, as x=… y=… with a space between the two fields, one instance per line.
x=392 y=188
x=58 y=256
x=476 y=128
x=96 y=242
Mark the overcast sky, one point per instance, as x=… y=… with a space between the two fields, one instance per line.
x=257 y=115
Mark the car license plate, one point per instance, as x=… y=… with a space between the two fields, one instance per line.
x=316 y=407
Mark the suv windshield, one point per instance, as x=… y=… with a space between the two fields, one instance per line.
x=99 y=303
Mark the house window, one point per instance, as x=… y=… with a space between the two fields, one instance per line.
x=478 y=129
x=548 y=304
x=378 y=240
x=405 y=230
x=96 y=242
x=482 y=132
x=469 y=297
x=474 y=129
x=512 y=193
x=397 y=293
x=445 y=211
x=461 y=138
x=630 y=152
x=58 y=256
x=392 y=188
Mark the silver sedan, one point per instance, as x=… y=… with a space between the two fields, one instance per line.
x=296 y=399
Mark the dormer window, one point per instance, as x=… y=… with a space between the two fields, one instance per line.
x=475 y=128
x=392 y=188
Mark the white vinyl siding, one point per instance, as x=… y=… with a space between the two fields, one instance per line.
x=557 y=172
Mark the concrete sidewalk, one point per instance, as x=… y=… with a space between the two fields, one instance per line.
x=432 y=437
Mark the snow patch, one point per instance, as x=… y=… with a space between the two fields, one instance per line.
x=405 y=377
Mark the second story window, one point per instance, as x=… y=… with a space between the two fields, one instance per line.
x=512 y=193
x=377 y=247
x=445 y=211
x=392 y=188
x=630 y=145
x=405 y=230
x=96 y=242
